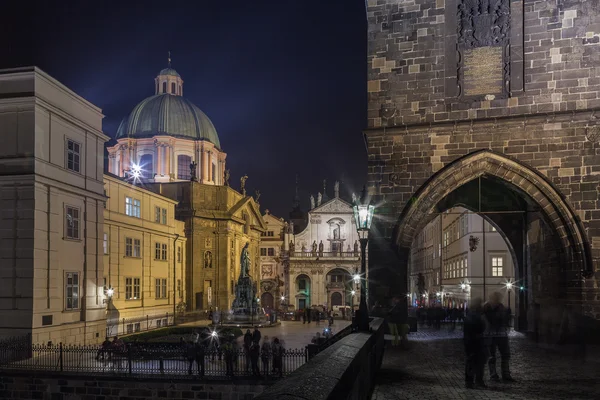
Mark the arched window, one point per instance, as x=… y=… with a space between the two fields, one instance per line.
x=164 y=87
x=183 y=167
x=147 y=166
x=173 y=86
x=336 y=299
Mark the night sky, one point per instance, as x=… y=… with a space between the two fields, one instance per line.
x=284 y=81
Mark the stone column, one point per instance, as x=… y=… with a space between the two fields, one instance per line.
x=158 y=159
x=165 y=165
x=202 y=171
x=210 y=166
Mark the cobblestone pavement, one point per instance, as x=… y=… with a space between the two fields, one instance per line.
x=433 y=368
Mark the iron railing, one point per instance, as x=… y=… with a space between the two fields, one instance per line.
x=16 y=348
x=155 y=360
x=127 y=326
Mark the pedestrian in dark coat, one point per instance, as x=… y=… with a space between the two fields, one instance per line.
x=195 y=352
x=247 y=345
x=394 y=320
x=497 y=318
x=254 y=356
x=230 y=353
x=475 y=347
x=256 y=335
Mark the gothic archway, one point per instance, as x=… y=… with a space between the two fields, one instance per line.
x=553 y=251
x=534 y=185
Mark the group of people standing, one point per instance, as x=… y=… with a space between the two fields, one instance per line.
x=486 y=328
x=269 y=352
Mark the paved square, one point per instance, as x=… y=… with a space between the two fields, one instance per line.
x=433 y=368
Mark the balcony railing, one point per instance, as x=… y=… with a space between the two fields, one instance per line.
x=325 y=254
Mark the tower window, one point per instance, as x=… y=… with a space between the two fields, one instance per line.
x=164 y=87
x=180 y=92
x=173 y=86
x=183 y=167
x=147 y=166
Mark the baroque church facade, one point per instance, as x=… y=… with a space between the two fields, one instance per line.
x=324 y=257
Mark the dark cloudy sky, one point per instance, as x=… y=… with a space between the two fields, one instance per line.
x=284 y=81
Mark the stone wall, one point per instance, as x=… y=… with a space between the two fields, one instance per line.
x=345 y=370
x=71 y=388
x=420 y=126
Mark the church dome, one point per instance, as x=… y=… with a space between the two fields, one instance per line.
x=169 y=71
x=170 y=115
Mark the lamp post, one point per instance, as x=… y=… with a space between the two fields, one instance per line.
x=509 y=286
x=352 y=293
x=363 y=216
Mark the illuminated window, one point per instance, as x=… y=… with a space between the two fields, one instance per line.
x=72 y=291
x=133 y=207
x=72 y=222
x=497 y=264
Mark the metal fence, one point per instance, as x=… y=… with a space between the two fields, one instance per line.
x=156 y=360
x=126 y=326
x=15 y=348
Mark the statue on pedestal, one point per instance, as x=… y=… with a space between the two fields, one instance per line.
x=226 y=177
x=245 y=262
x=193 y=166
x=243 y=184
x=314 y=248
x=321 y=249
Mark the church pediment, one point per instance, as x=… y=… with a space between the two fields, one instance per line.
x=248 y=206
x=333 y=206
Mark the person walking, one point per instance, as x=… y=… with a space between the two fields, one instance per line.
x=497 y=319
x=277 y=351
x=475 y=348
x=254 y=356
x=394 y=321
x=265 y=354
x=195 y=353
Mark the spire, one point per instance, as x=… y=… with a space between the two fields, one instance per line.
x=325 y=197
x=169 y=60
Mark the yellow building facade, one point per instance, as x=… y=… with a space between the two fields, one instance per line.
x=219 y=222
x=144 y=258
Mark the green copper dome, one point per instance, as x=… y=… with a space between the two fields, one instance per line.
x=170 y=115
x=169 y=71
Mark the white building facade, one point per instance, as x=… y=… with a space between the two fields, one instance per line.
x=460 y=256
x=324 y=258
x=52 y=194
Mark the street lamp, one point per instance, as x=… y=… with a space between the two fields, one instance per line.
x=363 y=216
x=509 y=287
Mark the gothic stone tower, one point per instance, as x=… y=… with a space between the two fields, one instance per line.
x=491 y=104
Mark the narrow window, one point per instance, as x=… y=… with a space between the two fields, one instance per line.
x=263 y=252
x=164 y=216
x=178 y=254
x=129 y=247
x=179 y=288
x=157 y=288
x=137 y=248
x=157 y=215
x=128 y=288
x=271 y=252
x=164 y=85
x=105 y=243
x=73 y=156
x=72 y=222
x=132 y=207
x=164 y=252
x=136 y=288
x=183 y=167
x=157 y=251
x=173 y=86
x=72 y=291
x=147 y=166
x=164 y=288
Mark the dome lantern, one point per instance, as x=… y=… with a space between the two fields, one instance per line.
x=168 y=81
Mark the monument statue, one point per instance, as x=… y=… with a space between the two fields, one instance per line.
x=314 y=248
x=227 y=175
x=355 y=248
x=257 y=196
x=336 y=189
x=245 y=262
x=321 y=249
x=319 y=199
x=243 y=184
x=312 y=201
x=292 y=247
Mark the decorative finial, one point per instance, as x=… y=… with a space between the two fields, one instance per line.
x=324 y=186
x=169 y=59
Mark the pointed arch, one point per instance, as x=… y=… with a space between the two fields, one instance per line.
x=537 y=187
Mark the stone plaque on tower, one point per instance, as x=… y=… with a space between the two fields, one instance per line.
x=484 y=49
